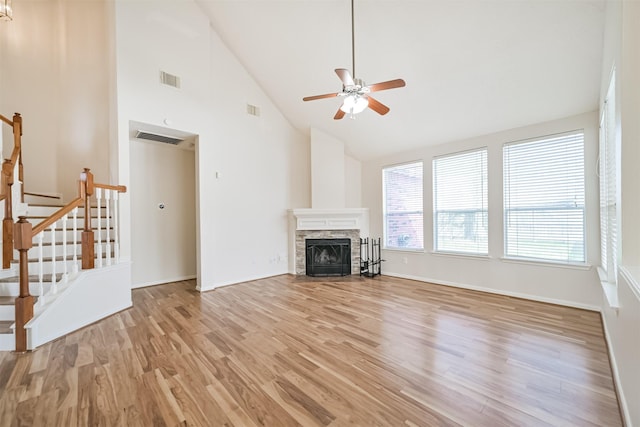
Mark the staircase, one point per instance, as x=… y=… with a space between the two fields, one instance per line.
x=60 y=262
x=40 y=275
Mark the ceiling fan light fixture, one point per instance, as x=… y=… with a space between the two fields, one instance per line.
x=354 y=104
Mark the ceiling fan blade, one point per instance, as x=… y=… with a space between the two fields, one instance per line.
x=377 y=106
x=345 y=76
x=326 y=95
x=391 y=84
x=339 y=114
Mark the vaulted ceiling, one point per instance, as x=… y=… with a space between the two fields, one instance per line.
x=472 y=67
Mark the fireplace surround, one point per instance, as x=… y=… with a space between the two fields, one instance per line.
x=348 y=223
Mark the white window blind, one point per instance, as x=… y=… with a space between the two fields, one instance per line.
x=608 y=209
x=402 y=188
x=544 y=198
x=460 y=202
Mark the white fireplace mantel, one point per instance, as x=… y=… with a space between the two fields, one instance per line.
x=332 y=219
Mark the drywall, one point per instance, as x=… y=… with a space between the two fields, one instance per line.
x=244 y=164
x=327 y=171
x=55 y=58
x=547 y=282
x=163 y=231
x=353 y=182
x=622 y=54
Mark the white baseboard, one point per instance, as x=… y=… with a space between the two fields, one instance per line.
x=496 y=291
x=163 y=281
x=236 y=282
x=616 y=375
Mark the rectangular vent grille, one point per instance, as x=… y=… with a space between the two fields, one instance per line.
x=158 y=138
x=169 y=79
x=253 y=110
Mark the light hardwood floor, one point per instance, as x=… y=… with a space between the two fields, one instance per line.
x=292 y=350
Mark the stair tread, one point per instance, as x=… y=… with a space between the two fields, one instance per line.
x=59 y=243
x=5 y=326
x=33 y=278
x=7 y=300
x=60 y=258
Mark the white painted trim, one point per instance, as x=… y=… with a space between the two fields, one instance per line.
x=495 y=291
x=610 y=290
x=331 y=219
x=546 y=263
x=163 y=281
x=616 y=375
x=461 y=255
x=632 y=276
x=250 y=279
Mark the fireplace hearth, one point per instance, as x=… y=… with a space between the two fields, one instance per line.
x=328 y=257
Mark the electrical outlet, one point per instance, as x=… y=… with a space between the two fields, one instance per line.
x=405 y=260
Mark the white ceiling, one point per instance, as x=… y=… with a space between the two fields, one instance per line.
x=472 y=67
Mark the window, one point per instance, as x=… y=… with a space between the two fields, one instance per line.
x=608 y=210
x=402 y=210
x=544 y=198
x=460 y=202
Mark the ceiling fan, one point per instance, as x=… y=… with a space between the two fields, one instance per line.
x=354 y=91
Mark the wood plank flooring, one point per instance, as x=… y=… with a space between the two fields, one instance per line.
x=288 y=351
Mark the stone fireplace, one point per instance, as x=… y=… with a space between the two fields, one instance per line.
x=314 y=224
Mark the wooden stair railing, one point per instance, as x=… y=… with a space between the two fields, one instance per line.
x=8 y=171
x=24 y=234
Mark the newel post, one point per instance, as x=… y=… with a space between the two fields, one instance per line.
x=88 y=254
x=7 y=222
x=24 y=303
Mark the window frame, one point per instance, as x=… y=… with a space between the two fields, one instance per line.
x=385 y=213
x=484 y=210
x=506 y=182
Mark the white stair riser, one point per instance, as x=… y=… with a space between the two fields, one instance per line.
x=7 y=312
x=47 y=266
x=13 y=289
x=47 y=251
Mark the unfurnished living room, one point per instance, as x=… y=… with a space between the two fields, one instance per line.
x=320 y=213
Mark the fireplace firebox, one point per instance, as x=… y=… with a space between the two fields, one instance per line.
x=328 y=257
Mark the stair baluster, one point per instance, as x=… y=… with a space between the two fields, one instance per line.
x=74 y=212
x=65 y=273
x=99 y=200
x=116 y=232
x=54 y=284
x=107 y=202
x=41 y=298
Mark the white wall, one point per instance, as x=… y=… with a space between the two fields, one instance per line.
x=163 y=240
x=327 y=171
x=241 y=213
x=55 y=68
x=353 y=182
x=544 y=282
x=622 y=52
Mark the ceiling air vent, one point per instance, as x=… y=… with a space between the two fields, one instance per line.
x=158 y=137
x=169 y=79
x=253 y=110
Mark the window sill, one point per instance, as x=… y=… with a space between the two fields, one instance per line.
x=413 y=251
x=531 y=261
x=610 y=290
x=461 y=255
